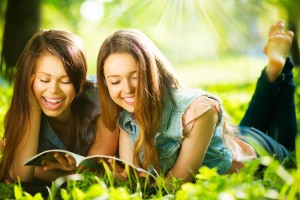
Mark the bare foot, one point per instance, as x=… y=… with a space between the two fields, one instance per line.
x=277 y=49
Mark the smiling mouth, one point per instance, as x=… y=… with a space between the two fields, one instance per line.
x=129 y=101
x=52 y=103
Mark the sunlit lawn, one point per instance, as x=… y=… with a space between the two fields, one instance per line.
x=236 y=70
x=233 y=80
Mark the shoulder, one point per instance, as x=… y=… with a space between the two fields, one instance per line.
x=181 y=99
x=90 y=100
x=91 y=92
x=201 y=106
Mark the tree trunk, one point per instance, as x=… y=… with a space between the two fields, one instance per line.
x=21 y=22
x=295 y=54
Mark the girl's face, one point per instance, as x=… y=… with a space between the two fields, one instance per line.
x=120 y=72
x=52 y=87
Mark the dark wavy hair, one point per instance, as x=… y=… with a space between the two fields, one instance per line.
x=70 y=49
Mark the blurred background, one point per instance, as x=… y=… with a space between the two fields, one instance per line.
x=212 y=44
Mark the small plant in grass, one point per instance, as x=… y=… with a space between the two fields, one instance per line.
x=273 y=181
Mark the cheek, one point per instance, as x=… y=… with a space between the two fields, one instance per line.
x=36 y=88
x=113 y=91
x=71 y=93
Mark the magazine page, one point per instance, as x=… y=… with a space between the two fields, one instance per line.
x=49 y=155
x=99 y=164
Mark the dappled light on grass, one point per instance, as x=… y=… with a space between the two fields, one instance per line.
x=275 y=182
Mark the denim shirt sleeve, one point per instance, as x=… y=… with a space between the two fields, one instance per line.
x=218 y=154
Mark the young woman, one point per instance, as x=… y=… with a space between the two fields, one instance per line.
x=53 y=107
x=176 y=130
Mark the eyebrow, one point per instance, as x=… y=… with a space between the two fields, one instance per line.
x=113 y=76
x=51 y=75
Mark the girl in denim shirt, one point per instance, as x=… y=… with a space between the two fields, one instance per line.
x=174 y=130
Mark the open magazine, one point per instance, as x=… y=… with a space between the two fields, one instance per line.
x=96 y=163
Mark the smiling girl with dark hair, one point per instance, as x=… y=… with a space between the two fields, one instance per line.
x=53 y=107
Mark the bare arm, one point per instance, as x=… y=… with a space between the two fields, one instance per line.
x=106 y=141
x=197 y=140
x=194 y=147
x=29 y=142
x=125 y=148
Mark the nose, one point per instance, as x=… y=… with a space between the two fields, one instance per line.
x=128 y=87
x=54 y=87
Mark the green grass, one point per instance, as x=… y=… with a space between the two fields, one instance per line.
x=274 y=182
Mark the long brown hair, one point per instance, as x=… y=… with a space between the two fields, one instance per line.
x=70 y=49
x=155 y=76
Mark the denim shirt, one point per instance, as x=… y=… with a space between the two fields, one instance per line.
x=170 y=136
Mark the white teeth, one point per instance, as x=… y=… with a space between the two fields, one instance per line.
x=130 y=100
x=53 y=100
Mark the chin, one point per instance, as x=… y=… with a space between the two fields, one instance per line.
x=51 y=113
x=129 y=110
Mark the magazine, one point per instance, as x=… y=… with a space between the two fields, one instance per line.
x=95 y=163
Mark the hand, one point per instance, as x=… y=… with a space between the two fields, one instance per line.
x=120 y=172
x=63 y=162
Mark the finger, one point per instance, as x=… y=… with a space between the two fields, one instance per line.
x=142 y=174
x=120 y=177
x=123 y=174
x=70 y=160
x=115 y=166
x=62 y=160
x=47 y=165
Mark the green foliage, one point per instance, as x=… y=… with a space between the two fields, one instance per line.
x=235 y=98
x=275 y=180
x=5 y=98
x=6 y=191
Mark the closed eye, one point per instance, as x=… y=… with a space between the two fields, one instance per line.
x=44 y=80
x=65 y=82
x=115 y=83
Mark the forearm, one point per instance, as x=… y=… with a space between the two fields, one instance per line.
x=105 y=142
x=27 y=147
x=194 y=147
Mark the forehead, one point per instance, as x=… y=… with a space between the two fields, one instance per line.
x=50 y=64
x=119 y=63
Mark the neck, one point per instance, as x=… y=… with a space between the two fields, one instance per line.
x=61 y=125
x=63 y=119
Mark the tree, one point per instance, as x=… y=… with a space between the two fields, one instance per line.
x=22 y=20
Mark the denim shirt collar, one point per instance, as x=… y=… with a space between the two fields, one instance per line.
x=128 y=121
x=169 y=105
